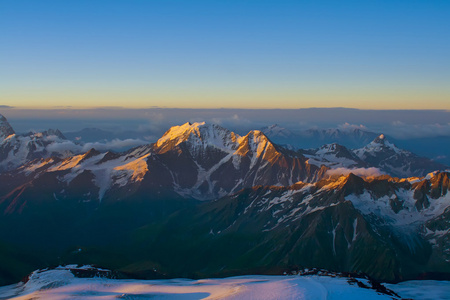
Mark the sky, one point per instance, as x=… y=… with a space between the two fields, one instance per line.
x=225 y=54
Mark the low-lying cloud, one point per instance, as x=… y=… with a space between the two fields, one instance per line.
x=348 y=126
x=365 y=172
x=114 y=145
x=402 y=130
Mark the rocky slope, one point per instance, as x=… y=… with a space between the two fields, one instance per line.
x=379 y=226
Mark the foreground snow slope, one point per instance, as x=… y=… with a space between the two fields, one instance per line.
x=60 y=283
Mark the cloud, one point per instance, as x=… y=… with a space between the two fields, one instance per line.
x=64 y=146
x=366 y=172
x=6 y=106
x=52 y=138
x=156 y=122
x=401 y=130
x=398 y=123
x=108 y=107
x=234 y=122
x=114 y=145
x=440 y=157
x=348 y=126
x=228 y=119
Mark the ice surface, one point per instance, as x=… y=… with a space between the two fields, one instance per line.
x=61 y=284
x=422 y=289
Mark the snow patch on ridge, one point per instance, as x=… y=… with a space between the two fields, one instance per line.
x=135 y=169
x=407 y=216
x=125 y=169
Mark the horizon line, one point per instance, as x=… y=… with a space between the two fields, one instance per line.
x=56 y=108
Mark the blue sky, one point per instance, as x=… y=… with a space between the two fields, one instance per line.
x=212 y=54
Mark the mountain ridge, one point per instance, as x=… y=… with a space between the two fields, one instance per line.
x=196 y=158
x=233 y=204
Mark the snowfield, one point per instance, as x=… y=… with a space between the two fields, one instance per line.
x=60 y=283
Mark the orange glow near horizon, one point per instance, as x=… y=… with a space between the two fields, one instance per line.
x=269 y=100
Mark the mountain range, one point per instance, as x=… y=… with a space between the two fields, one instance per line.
x=315 y=137
x=434 y=147
x=205 y=201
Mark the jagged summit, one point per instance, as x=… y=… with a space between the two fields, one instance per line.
x=256 y=144
x=382 y=140
x=379 y=144
x=55 y=132
x=5 y=128
x=198 y=133
x=383 y=154
x=381 y=137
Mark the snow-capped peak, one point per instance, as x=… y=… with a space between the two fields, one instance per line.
x=179 y=133
x=381 y=139
x=5 y=129
x=380 y=143
x=198 y=134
